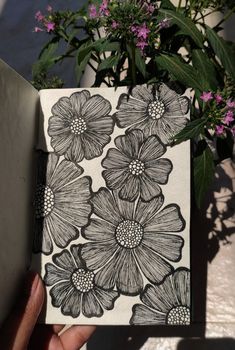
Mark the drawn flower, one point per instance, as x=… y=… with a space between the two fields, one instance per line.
x=128 y=238
x=155 y=110
x=80 y=126
x=135 y=167
x=61 y=203
x=167 y=303
x=74 y=288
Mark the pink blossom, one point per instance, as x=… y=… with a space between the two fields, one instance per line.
x=142 y=31
x=38 y=29
x=114 y=25
x=165 y=23
x=92 y=11
x=219 y=130
x=206 y=96
x=50 y=26
x=134 y=28
x=230 y=104
x=39 y=16
x=49 y=8
x=218 y=98
x=149 y=8
x=141 y=44
x=229 y=117
x=103 y=10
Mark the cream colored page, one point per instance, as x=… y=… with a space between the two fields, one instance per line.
x=18 y=109
x=176 y=191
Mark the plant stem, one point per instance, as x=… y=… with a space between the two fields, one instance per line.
x=179 y=5
x=133 y=67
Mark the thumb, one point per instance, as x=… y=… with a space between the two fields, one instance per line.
x=16 y=331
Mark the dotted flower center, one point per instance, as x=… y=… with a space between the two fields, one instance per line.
x=136 y=167
x=156 y=109
x=179 y=315
x=129 y=234
x=78 y=126
x=45 y=201
x=83 y=280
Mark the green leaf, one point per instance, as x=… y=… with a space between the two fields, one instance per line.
x=49 y=49
x=191 y=130
x=104 y=45
x=223 y=51
x=167 y=4
x=73 y=34
x=82 y=58
x=203 y=174
x=108 y=63
x=185 y=24
x=140 y=62
x=181 y=71
x=206 y=70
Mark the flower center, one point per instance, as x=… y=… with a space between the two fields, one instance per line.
x=44 y=201
x=179 y=315
x=136 y=167
x=129 y=234
x=83 y=280
x=156 y=109
x=78 y=126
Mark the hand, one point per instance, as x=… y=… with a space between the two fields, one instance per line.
x=20 y=331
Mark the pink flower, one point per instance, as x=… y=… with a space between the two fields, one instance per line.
x=206 y=96
x=38 y=16
x=37 y=29
x=142 y=31
x=218 y=98
x=229 y=117
x=230 y=104
x=141 y=44
x=50 y=26
x=93 y=11
x=114 y=25
x=219 y=130
x=165 y=23
x=149 y=8
x=49 y=8
x=103 y=10
x=134 y=28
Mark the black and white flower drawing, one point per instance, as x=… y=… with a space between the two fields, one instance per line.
x=61 y=202
x=167 y=303
x=74 y=288
x=135 y=167
x=129 y=239
x=80 y=126
x=156 y=110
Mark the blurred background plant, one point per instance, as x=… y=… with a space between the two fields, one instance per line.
x=129 y=42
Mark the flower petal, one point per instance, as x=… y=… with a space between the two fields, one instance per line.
x=61 y=143
x=130 y=111
x=169 y=219
x=130 y=188
x=169 y=246
x=75 y=152
x=77 y=100
x=93 y=143
x=130 y=143
x=71 y=306
x=167 y=127
x=151 y=264
x=129 y=280
x=59 y=293
x=61 y=231
x=76 y=252
x=148 y=188
x=99 y=230
x=181 y=284
x=145 y=211
x=52 y=161
x=54 y=275
x=152 y=149
x=115 y=159
x=65 y=173
x=42 y=240
x=97 y=254
x=126 y=208
x=90 y=305
x=95 y=107
x=143 y=93
x=159 y=170
x=115 y=178
x=101 y=125
x=65 y=261
x=106 y=298
x=105 y=207
x=107 y=275
x=63 y=109
x=161 y=298
x=58 y=127
x=142 y=315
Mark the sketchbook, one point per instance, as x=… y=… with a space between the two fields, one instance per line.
x=111 y=200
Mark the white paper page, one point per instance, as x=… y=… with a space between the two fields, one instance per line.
x=18 y=135
x=115 y=263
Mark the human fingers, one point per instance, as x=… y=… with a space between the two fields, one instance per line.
x=76 y=336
